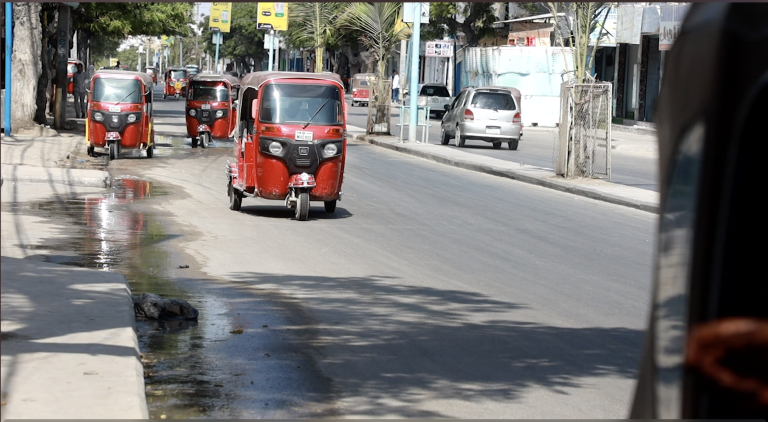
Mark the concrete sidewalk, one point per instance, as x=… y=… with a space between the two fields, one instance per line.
x=641 y=199
x=69 y=349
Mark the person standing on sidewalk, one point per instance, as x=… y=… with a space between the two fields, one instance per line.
x=78 y=89
x=395 y=87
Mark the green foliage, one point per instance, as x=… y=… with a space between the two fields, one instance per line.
x=313 y=25
x=119 y=20
x=478 y=21
x=244 y=41
x=379 y=29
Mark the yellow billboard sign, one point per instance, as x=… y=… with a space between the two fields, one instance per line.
x=113 y=61
x=273 y=16
x=166 y=40
x=221 y=16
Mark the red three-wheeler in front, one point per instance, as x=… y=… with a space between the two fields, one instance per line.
x=211 y=109
x=290 y=143
x=120 y=113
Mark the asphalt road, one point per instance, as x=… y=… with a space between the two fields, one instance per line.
x=431 y=292
x=634 y=159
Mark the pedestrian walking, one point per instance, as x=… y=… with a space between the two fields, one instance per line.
x=79 y=85
x=395 y=87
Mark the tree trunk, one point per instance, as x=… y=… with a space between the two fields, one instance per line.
x=26 y=66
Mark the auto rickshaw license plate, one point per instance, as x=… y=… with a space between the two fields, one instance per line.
x=303 y=135
x=205 y=106
x=114 y=109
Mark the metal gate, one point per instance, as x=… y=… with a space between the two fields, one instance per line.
x=584 y=142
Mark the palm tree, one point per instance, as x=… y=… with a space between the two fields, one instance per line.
x=313 y=25
x=379 y=23
x=381 y=32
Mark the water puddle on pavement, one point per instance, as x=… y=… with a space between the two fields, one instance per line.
x=233 y=362
x=105 y=234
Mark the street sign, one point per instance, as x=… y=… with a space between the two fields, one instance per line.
x=273 y=16
x=216 y=38
x=268 y=40
x=221 y=16
x=112 y=62
x=439 y=49
x=166 y=40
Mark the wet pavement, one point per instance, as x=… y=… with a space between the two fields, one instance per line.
x=240 y=359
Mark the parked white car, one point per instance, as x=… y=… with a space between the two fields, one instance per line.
x=434 y=96
x=490 y=113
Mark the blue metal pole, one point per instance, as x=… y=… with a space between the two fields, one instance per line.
x=8 y=53
x=413 y=95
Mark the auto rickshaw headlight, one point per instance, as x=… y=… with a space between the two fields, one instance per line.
x=131 y=118
x=99 y=117
x=275 y=147
x=330 y=150
x=219 y=113
x=192 y=112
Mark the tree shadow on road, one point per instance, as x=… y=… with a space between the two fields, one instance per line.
x=391 y=345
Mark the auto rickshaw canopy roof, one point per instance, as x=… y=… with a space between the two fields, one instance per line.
x=125 y=74
x=207 y=77
x=256 y=79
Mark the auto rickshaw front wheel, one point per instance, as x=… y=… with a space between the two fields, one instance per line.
x=330 y=206
x=235 y=197
x=302 y=207
x=113 y=150
x=205 y=139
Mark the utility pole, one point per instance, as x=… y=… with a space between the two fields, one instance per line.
x=413 y=95
x=271 y=47
x=181 y=54
x=8 y=53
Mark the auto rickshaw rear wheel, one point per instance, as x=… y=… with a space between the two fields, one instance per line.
x=90 y=150
x=330 y=206
x=150 y=151
x=302 y=207
x=194 y=142
x=235 y=197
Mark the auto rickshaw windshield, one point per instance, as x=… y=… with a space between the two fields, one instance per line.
x=114 y=90
x=209 y=92
x=297 y=103
x=72 y=68
x=178 y=74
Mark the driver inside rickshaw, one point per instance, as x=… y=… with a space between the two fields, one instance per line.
x=297 y=111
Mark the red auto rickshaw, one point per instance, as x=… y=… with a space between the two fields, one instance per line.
x=290 y=142
x=176 y=79
x=151 y=71
x=361 y=88
x=120 y=113
x=71 y=70
x=211 y=108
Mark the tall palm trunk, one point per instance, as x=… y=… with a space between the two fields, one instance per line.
x=26 y=65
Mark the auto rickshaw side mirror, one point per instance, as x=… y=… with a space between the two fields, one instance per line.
x=255 y=109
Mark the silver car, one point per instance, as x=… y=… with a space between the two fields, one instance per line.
x=434 y=96
x=489 y=113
